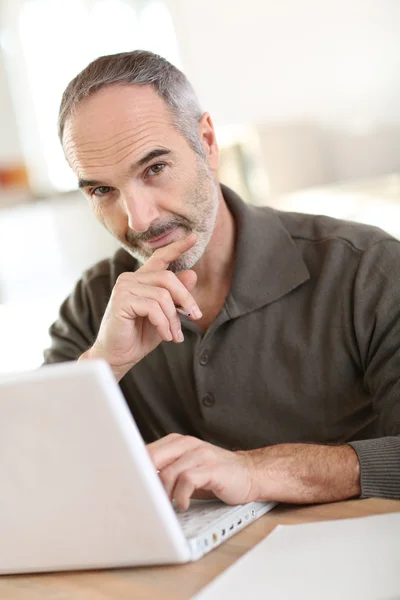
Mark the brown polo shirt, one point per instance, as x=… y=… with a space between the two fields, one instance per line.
x=305 y=349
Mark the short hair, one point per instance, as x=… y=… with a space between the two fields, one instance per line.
x=138 y=67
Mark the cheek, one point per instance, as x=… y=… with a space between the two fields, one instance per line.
x=100 y=211
x=96 y=209
x=111 y=216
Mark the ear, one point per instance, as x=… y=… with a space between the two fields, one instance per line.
x=209 y=141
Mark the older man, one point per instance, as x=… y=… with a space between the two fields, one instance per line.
x=258 y=351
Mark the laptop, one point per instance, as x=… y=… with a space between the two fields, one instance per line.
x=78 y=488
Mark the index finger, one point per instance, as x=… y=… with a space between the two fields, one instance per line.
x=167 y=450
x=163 y=257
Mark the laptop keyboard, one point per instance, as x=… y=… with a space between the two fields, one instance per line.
x=201 y=514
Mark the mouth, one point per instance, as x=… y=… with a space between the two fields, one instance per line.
x=162 y=240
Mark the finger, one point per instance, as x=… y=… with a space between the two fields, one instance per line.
x=164 y=299
x=170 y=448
x=197 y=478
x=188 y=279
x=170 y=474
x=203 y=495
x=170 y=282
x=163 y=257
x=145 y=307
x=167 y=439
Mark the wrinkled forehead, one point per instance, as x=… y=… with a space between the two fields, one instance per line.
x=115 y=123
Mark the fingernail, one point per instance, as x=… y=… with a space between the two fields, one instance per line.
x=196 y=312
x=179 y=336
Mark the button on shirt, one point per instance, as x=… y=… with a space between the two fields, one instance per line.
x=305 y=349
x=208 y=400
x=204 y=358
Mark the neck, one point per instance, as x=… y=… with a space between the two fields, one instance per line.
x=215 y=268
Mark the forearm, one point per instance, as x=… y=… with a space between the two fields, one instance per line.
x=305 y=473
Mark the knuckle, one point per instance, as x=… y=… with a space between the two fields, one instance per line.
x=191 y=439
x=123 y=281
x=123 y=278
x=169 y=277
x=204 y=452
x=186 y=478
x=174 y=436
x=163 y=295
x=154 y=309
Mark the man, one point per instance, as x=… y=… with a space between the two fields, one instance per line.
x=281 y=379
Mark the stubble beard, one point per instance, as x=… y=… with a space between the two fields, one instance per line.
x=202 y=200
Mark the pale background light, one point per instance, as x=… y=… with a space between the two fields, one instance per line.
x=305 y=97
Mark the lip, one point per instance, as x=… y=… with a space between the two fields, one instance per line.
x=163 y=240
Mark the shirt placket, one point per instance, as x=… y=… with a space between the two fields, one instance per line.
x=205 y=364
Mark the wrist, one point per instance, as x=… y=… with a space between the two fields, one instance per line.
x=95 y=353
x=354 y=471
x=91 y=354
x=255 y=465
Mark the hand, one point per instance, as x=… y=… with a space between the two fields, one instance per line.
x=187 y=464
x=295 y=473
x=141 y=311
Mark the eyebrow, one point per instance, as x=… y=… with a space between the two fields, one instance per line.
x=156 y=153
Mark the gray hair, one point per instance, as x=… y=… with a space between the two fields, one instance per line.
x=139 y=68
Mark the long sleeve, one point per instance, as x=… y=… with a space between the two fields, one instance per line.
x=377 y=328
x=79 y=320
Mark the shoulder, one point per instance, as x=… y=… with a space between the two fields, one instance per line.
x=320 y=229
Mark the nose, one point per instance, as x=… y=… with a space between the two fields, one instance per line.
x=141 y=210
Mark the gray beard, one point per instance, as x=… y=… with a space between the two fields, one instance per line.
x=205 y=206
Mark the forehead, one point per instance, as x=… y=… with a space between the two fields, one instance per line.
x=117 y=123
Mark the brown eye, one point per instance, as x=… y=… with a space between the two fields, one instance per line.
x=155 y=169
x=102 y=190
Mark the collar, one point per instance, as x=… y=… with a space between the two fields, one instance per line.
x=268 y=264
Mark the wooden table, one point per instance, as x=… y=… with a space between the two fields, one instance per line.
x=181 y=581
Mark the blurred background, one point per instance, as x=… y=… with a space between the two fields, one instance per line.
x=305 y=96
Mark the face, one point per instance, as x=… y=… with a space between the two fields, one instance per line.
x=144 y=182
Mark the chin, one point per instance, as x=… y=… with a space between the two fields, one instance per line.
x=135 y=253
x=183 y=263
x=188 y=260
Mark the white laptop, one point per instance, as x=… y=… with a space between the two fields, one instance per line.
x=78 y=488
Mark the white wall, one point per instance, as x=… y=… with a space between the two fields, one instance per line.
x=57 y=240
x=10 y=149
x=327 y=66
x=333 y=61
x=320 y=77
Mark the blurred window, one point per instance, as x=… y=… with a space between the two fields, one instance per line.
x=80 y=31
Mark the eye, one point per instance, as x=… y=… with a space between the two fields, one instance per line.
x=102 y=190
x=154 y=169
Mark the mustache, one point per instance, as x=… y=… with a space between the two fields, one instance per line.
x=157 y=230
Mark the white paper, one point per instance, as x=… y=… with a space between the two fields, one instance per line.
x=349 y=559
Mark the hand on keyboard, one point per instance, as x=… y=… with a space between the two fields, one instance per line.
x=189 y=467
